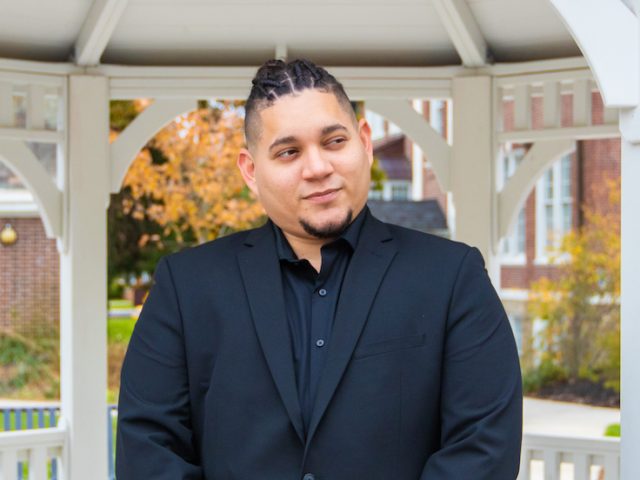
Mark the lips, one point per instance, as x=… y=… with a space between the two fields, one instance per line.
x=323 y=196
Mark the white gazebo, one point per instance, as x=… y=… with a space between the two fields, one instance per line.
x=67 y=59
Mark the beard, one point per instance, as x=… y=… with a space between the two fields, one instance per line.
x=330 y=230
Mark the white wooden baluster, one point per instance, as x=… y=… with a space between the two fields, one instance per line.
x=9 y=464
x=38 y=463
x=35 y=107
x=581 y=466
x=551 y=464
x=522 y=107
x=582 y=103
x=6 y=104
x=525 y=464
x=551 y=105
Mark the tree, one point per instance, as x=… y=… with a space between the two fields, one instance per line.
x=581 y=306
x=187 y=182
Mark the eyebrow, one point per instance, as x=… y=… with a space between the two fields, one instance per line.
x=325 y=131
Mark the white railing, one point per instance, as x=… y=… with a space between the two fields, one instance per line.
x=552 y=457
x=33 y=454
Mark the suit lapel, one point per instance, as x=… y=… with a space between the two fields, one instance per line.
x=362 y=279
x=262 y=280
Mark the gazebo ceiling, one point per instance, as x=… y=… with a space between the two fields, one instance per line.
x=246 y=32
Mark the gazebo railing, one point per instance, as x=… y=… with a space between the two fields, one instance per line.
x=552 y=457
x=544 y=457
x=34 y=454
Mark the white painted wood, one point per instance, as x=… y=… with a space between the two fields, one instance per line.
x=551 y=464
x=525 y=464
x=522 y=107
x=612 y=466
x=610 y=116
x=581 y=103
x=589 y=132
x=6 y=104
x=358 y=88
x=576 y=450
x=98 y=27
x=539 y=78
x=33 y=175
x=617 y=31
x=125 y=148
x=581 y=466
x=512 y=197
x=419 y=131
x=83 y=310
x=551 y=105
x=472 y=160
x=44 y=136
x=9 y=459
x=35 y=107
x=463 y=30
x=38 y=463
x=629 y=308
x=281 y=51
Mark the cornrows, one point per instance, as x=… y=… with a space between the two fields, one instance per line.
x=276 y=78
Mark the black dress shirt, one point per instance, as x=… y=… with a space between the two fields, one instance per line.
x=311 y=298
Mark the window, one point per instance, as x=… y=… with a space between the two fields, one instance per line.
x=376 y=122
x=554 y=207
x=400 y=191
x=514 y=244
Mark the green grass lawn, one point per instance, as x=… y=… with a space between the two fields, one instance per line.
x=119 y=303
x=120 y=329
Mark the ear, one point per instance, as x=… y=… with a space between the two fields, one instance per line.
x=247 y=168
x=364 y=132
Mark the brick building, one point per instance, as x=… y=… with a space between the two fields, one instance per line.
x=29 y=269
x=553 y=206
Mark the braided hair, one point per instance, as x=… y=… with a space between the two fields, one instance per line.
x=276 y=78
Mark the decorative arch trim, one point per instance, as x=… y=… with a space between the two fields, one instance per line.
x=539 y=157
x=46 y=194
x=125 y=148
x=417 y=129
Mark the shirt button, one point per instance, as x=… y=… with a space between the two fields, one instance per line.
x=319 y=342
x=322 y=292
x=309 y=476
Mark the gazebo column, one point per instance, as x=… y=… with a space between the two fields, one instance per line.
x=83 y=286
x=472 y=166
x=630 y=309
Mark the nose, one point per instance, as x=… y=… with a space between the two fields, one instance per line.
x=316 y=165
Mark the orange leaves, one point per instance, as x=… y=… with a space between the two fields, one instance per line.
x=187 y=180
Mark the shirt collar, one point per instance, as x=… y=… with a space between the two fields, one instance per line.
x=351 y=235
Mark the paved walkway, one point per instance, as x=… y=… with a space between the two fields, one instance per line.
x=572 y=419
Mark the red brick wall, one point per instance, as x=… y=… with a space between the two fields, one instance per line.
x=594 y=163
x=29 y=277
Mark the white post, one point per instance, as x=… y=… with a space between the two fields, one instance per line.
x=472 y=169
x=83 y=286
x=630 y=311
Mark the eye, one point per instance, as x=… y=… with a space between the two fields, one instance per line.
x=290 y=152
x=336 y=141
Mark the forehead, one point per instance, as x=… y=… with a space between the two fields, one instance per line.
x=301 y=114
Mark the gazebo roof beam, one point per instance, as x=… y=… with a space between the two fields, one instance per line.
x=97 y=29
x=461 y=25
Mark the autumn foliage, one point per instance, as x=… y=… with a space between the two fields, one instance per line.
x=186 y=180
x=580 y=308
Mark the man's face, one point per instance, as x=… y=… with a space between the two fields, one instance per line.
x=310 y=166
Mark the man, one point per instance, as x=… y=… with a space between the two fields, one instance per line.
x=326 y=344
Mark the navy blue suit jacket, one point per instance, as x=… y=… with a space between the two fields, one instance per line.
x=422 y=380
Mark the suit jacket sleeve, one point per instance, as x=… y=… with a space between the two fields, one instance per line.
x=154 y=437
x=481 y=396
